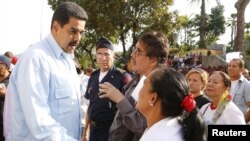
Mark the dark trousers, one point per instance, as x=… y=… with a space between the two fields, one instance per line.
x=99 y=131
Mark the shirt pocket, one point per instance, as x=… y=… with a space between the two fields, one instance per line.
x=238 y=98
x=64 y=100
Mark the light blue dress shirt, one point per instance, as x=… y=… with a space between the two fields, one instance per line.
x=241 y=94
x=43 y=96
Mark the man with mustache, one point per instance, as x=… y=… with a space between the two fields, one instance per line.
x=43 y=96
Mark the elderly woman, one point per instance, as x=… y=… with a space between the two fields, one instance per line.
x=170 y=111
x=221 y=110
x=197 y=81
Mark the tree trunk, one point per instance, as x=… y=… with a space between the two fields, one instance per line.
x=233 y=28
x=122 y=38
x=202 y=43
x=240 y=6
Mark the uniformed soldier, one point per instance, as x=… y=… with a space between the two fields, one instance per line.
x=101 y=112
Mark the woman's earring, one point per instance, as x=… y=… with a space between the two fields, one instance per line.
x=151 y=103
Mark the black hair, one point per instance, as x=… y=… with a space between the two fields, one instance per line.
x=156 y=45
x=66 y=10
x=172 y=87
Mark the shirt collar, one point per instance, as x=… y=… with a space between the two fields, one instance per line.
x=57 y=50
x=241 y=78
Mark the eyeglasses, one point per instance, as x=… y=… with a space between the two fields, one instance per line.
x=137 y=51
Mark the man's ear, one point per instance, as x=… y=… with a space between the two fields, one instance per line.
x=153 y=61
x=55 y=25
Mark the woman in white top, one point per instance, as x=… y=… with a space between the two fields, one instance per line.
x=221 y=110
x=170 y=111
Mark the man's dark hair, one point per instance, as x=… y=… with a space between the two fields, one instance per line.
x=66 y=10
x=156 y=45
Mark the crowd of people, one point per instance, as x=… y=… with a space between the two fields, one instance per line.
x=44 y=94
x=193 y=60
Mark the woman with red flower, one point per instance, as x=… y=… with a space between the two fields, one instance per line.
x=221 y=110
x=170 y=111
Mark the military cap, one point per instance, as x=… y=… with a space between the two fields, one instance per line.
x=104 y=43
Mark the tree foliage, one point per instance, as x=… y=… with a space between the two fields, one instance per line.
x=231 y=22
x=216 y=24
x=207 y=38
x=121 y=21
x=202 y=23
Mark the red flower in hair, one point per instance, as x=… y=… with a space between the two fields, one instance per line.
x=188 y=103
